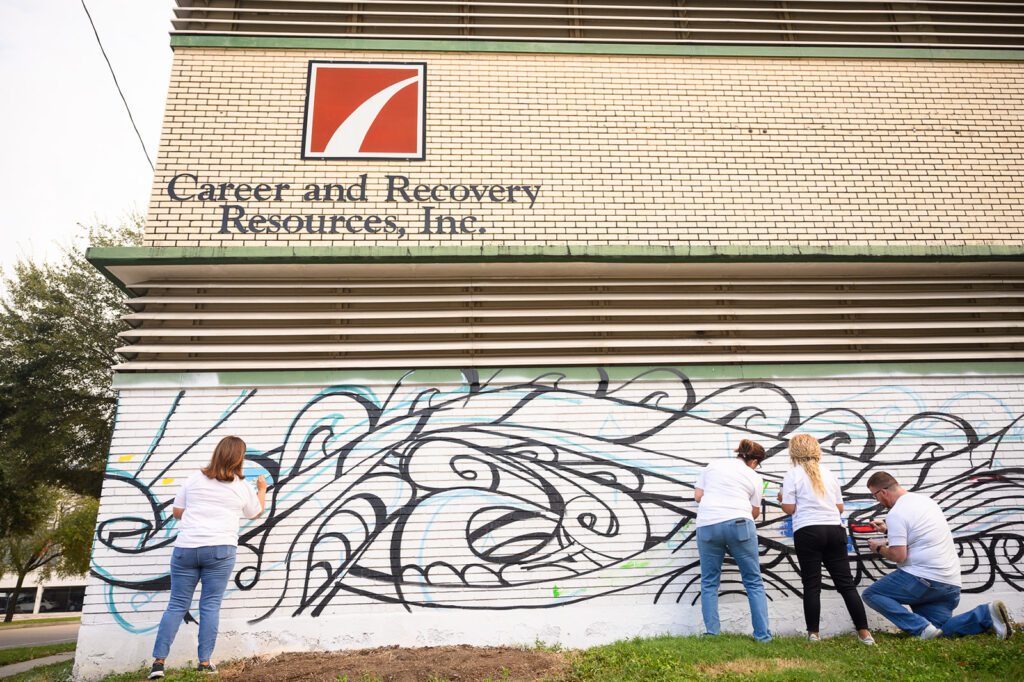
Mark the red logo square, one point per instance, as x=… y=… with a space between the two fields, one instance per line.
x=365 y=110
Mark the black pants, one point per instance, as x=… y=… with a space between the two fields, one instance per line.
x=817 y=545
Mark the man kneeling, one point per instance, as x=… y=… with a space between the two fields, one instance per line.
x=928 y=578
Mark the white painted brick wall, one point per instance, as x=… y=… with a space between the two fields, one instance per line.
x=602 y=476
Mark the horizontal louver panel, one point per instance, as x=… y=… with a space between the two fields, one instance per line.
x=209 y=325
x=792 y=22
x=482 y=313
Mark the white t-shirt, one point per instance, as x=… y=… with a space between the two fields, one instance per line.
x=731 y=489
x=918 y=522
x=212 y=509
x=812 y=510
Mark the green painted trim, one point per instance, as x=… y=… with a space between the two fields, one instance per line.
x=615 y=373
x=544 y=47
x=151 y=255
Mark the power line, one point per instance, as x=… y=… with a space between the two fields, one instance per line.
x=118 y=85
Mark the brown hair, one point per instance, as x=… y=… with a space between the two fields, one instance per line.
x=227 y=460
x=749 y=451
x=882 y=479
x=804 y=450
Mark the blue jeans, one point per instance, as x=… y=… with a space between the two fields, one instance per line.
x=189 y=566
x=929 y=601
x=739 y=538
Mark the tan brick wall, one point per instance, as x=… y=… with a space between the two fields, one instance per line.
x=628 y=150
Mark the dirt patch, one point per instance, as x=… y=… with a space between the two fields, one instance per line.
x=396 y=664
x=752 y=666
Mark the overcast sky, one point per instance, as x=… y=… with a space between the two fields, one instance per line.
x=68 y=154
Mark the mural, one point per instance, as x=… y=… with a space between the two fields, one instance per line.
x=485 y=493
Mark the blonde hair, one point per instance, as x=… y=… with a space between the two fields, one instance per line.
x=228 y=458
x=805 y=451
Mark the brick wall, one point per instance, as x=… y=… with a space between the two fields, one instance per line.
x=628 y=150
x=428 y=508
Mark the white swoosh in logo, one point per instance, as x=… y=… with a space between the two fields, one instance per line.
x=349 y=136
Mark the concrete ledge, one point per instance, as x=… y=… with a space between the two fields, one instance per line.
x=152 y=255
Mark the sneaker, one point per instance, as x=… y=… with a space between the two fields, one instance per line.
x=1001 y=623
x=208 y=668
x=867 y=641
x=156 y=671
x=930 y=632
x=813 y=637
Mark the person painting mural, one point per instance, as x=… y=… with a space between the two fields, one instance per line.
x=928 y=578
x=208 y=506
x=728 y=494
x=811 y=494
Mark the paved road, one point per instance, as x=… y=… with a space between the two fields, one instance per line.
x=44 y=634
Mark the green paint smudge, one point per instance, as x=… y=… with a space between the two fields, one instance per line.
x=635 y=564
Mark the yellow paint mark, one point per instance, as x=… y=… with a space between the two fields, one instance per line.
x=125 y=458
x=167 y=481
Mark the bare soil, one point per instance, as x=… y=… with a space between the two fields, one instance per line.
x=396 y=664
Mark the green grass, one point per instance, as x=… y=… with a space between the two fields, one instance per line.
x=793 y=659
x=27 y=653
x=40 y=621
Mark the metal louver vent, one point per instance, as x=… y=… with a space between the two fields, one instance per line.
x=940 y=23
x=246 y=324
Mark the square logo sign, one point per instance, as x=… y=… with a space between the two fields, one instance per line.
x=365 y=110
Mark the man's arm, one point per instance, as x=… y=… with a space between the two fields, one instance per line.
x=895 y=553
x=698 y=493
x=894 y=546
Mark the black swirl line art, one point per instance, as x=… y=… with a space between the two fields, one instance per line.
x=490 y=495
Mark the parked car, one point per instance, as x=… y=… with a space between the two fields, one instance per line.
x=26 y=602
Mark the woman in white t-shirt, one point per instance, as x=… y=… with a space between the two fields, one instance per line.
x=728 y=493
x=208 y=505
x=811 y=493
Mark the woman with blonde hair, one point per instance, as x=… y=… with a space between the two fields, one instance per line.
x=811 y=493
x=208 y=506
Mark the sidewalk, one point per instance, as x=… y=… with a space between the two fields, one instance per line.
x=15 y=668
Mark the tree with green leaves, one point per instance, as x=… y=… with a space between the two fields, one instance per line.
x=59 y=544
x=58 y=330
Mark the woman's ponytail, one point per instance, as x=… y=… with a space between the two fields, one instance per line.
x=749 y=451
